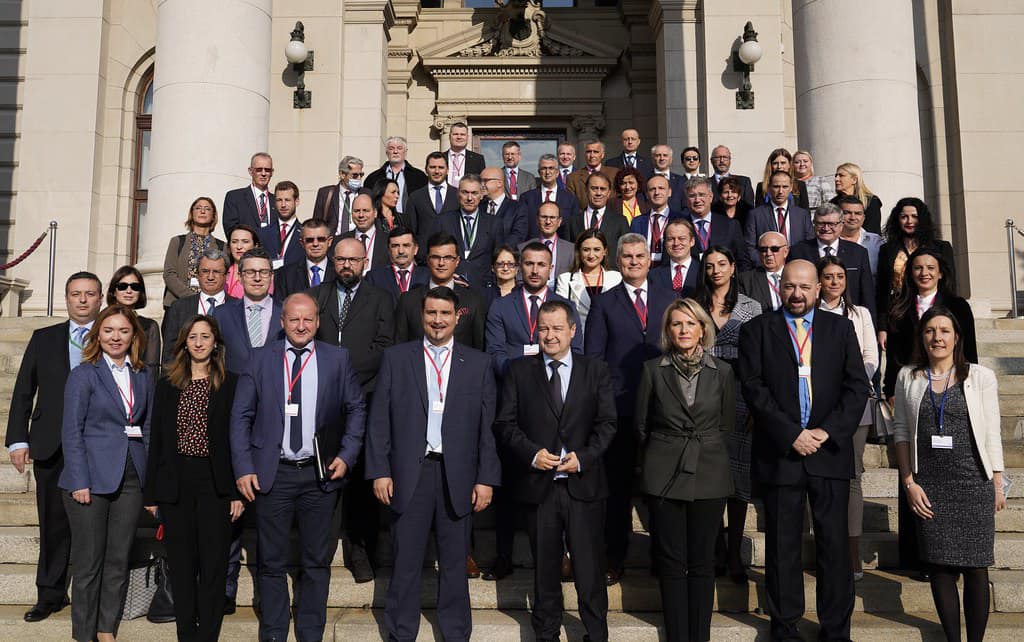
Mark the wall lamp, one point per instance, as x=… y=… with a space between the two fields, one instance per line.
x=301 y=60
x=743 y=60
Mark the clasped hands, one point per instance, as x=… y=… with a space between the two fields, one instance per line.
x=809 y=441
x=544 y=460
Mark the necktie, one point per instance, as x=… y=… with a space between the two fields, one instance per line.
x=346 y=213
x=255 y=326
x=295 y=432
x=776 y=296
x=211 y=303
x=263 y=209
x=434 y=426
x=284 y=233
x=641 y=308
x=550 y=245
x=75 y=346
x=547 y=196
x=534 y=309
x=806 y=394
x=315 y=281
x=513 y=186
x=492 y=208
x=468 y=231
x=594 y=221
x=655 y=233
x=403 y=280
x=631 y=159
x=343 y=308
x=363 y=237
x=781 y=212
x=555 y=386
x=703 y=234
x=565 y=176
x=828 y=250
x=677 y=280
x=438 y=201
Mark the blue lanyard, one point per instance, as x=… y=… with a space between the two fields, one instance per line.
x=941 y=410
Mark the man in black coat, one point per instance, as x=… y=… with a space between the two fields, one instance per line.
x=477 y=233
x=401 y=274
x=555 y=461
x=316 y=269
x=714 y=229
x=334 y=202
x=253 y=204
x=764 y=283
x=427 y=203
x=721 y=161
x=461 y=160
x=34 y=432
x=804 y=381
x=597 y=213
x=409 y=178
x=630 y=156
x=212 y=272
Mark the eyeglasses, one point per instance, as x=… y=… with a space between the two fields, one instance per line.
x=251 y=272
x=827 y=224
x=262 y=170
x=693 y=158
x=764 y=249
x=356 y=174
x=505 y=265
x=721 y=158
x=448 y=258
x=134 y=287
x=308 y=240
x=202 y=208
x=348 y=259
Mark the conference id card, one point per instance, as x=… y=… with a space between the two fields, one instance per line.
x=655 y=256
x=945 y=442
x=193 y=282
x=437 y=407
x=133 y=432
x=291 y=410
x=277 y=264
x=804 y=372
x=531 y=349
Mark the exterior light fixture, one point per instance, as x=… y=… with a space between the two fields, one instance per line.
x=743 y=60
x=301 y=60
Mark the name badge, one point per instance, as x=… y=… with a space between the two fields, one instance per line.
x=291 y=410
x=437 y=407
x=277 y=264
x=193 y=282
x=531 y=349
x=133 y=432
x=804 y=371
x=945 y=442
x=655 y=256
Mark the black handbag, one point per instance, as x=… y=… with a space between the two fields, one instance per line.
x=161 y=609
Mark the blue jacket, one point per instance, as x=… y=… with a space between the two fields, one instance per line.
x=508 y=328
x=238 y=350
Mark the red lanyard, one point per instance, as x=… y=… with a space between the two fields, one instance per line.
x=398 y=277
x=532 y=325
x=438 y=370
x=641 y=313
x=800 y=346
x=130 y=399
x=287 y=371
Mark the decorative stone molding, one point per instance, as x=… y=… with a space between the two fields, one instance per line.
x=443 y=122
x=673 y=11
x=589 y=125
x=519 y=28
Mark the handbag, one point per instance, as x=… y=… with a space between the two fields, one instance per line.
x=139 y=591
x=161 y=607
x=881 y=421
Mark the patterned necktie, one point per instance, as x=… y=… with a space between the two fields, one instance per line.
x=641 y=308
x=547 y=195
x=655 y=233
x=315 y=280
x=828 y=250
x=806 y=393
x=438 y=201
x=403 y=280
x=343 y=309
x=631 y=159
x=469 y=230
x=263 y=209
x=295 y=431
x=284 y=233
x=346 y=213
x=534 y=309
x=434 y=390
x=555 y=386
x=677 y=280
x=595 y=222
x=776 y=295
x=513 y=186
x=76 y=345
x=255 y=326
x=492 y=208
x=565 y=176
x=781 y=213
x=702 y=232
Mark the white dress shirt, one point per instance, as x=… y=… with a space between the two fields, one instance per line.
x=775 y=219
x=204 y=307
x=307 y=400
x=446 y=370
x=256 y=197
x=834 y=245
x=123 y=380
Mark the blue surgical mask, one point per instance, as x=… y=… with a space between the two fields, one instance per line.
x=354 y=183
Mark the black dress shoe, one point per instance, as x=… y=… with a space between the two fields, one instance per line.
x=501 y=569
x=362 y=571
x=40 y=612
x=230 y=606
x=614 y=574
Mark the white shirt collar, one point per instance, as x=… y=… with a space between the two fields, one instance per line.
x=632 y=290
x=706 y=217
x=256 y=194
x=497 y=202
x=543 y=294
x=450 y=344
x=784 y=206
x=834 y=245
x=218 y=296
x=685 y=263
x=87 y=326
x=662 y=212
x=566 y=361
x=264 y=303
x=322 y=264
x=113 y=366
x=927 y=300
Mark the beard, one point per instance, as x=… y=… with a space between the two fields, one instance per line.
x=349 y=280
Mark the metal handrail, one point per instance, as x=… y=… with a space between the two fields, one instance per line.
x=53 y=264
x=1012 y=255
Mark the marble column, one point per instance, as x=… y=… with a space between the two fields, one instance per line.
x=364 y=89
x=674 y=23
x=856 y=88
x=211 y=111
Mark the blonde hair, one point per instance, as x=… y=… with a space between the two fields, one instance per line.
x=692 y=309
x=862 y=192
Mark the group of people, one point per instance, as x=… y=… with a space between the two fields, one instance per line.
x=428 y=343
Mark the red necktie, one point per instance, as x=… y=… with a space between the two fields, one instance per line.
x=263 y=208
x=594 y=221
x=655 y=233
x=641 y=308
x=547 y=196
x=513 y=186
x=781 y=211
x=677 y=280
x=284 y=233
x=403 y=280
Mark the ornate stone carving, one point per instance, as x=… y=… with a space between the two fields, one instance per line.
x=588 y=125
x=518 y=29
x=443 y=122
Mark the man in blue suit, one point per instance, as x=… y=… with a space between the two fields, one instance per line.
x=401 y=274
x=652 y=225
x=247 y=323
x=714 y=229
x=431 y=455
x=294 y=435
x=283 y=241
x=497 y=202
x=780 y=215
x=253 y=204
x=623 y=329
x=477 y=233
x=550 y=189
x=680 y=268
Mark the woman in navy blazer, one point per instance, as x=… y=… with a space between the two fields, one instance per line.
x=105 y=435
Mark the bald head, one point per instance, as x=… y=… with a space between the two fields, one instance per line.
x=800 y=287
x=772 y=249
x=363 y=212
x=300 y=319
x=349 y=261
x=494 y=181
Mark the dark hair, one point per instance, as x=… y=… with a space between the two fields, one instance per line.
x=283 y=185
x=438 y=239
x=641 y=183
x=704 y=290
x=313 y=223
x=908 y=293
x=586 y=235
x=598 y=175
x=378 y=193
x=442 y=293
x=122 y=272
x=849 y=199
x=509 y=144
x=535 y=246
x=179 y=370
x=919 y=358
x=730 y=181
x=254 y=253
x=700 y=157
x=835 y=260
x=436 y=156
x=400 y=230
x=555 y=306
x=248 y=228
x=504 y=248
x=82 y=275
x=779 y=172
x=93 y=351
x=925 y=232
x=190 y=220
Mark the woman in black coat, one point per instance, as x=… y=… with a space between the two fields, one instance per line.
x=129 y=289
x=192 y=481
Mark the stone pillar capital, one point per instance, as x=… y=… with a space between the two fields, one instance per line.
x=589 y=125
x=672 y=11
x=443 y=122
x=370 y=12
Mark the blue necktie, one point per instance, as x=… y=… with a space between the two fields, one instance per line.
x=295 y=432
x=75 y=346
x=433 y=418
x=315 y=281
x=438 y=201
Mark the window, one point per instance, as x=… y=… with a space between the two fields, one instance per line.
x=532 y=143
x=143 y=133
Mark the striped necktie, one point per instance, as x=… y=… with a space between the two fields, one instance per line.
x=255 y=326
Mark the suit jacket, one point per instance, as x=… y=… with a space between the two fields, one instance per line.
x=475 y=162
x=565 y=253
x=513 y=220
x=294 y=277
x=615 y=334
x=175 y=319
x=508 y=328
x=763 y=219
x=859 y=282
x=369 y=327
x=585 y=425
x=801 y=199
x=529 y=204
x=884 y=292
x=577 y=181
x=725 y=232
x=748 y=188
x=240 y=207
x=683 y=446
x=643 y=164
x=472 y=316
x=327 y=205
x=397 y=439
x=257 y=413
x=571 y=286
x=642 y=225
x=420 y=213
x=525 y=181
x=768 y=371
x=37 y=402
x=676 y=183
x=238 y=350
x=176 y=266
x=383 y=277
x=270 y=238
x=661 y=276
x=475 y=261
x=92 y=432
x=754 y=283
x=414 y=179
x=164 y=462
x=381 y=253
x=613 y=224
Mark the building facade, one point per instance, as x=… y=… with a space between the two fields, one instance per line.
x=118 y=113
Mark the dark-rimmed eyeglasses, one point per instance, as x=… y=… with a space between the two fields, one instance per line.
x=691 y=158
x=134 y=287
x=448 y=258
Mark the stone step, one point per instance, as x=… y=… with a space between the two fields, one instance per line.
x=1001 y=364
x=1012 y=347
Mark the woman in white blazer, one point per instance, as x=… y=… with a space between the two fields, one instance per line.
x=950 y=455
x=588 y=277
x=834 y=298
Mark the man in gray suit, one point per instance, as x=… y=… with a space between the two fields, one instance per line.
x=517 y=180
x=549 y=219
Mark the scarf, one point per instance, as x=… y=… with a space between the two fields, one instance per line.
x=688 y=365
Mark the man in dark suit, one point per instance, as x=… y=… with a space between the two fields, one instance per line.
x=596 y=213
x=212 y=272
x=334 y=202
x=461 y=161
x=34 y=432
x=804 y=381
x=661 y=156
x=431 y=455
x=442 y=262
x=427 y=203
x=549 y=190
x=622 y=329
x=680 y=269
x=282 y=241
x=248 y=323
x=315 y=269
x=370 y=231
x=630 y=156
x=402 y=274
x=566 y=161
x=396 y=168
x=282 y=429
x=652 y=224
x=721 y=161
x=690 y=157
x=497 y=203
x=477 y=233
x=593 y=152
x=827 y=225
x=780 y=215
x=555 y=461
x=548 y=220
x=764 y=283
x=517 y=179
x=714 y=229
x=253 y=204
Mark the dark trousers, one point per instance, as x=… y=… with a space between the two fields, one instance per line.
x=295 y=496
x=360 y=517
x=198 y=533
x=234 y=563
x=102 y=534
x=685 y=555
x=784 y=582
x=54 y=531
x=619 y=462
x=430 y=506
x=581 y=522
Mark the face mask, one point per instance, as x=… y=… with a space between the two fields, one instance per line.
x=354 y=183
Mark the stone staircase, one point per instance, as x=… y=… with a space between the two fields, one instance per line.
x=889 y=605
